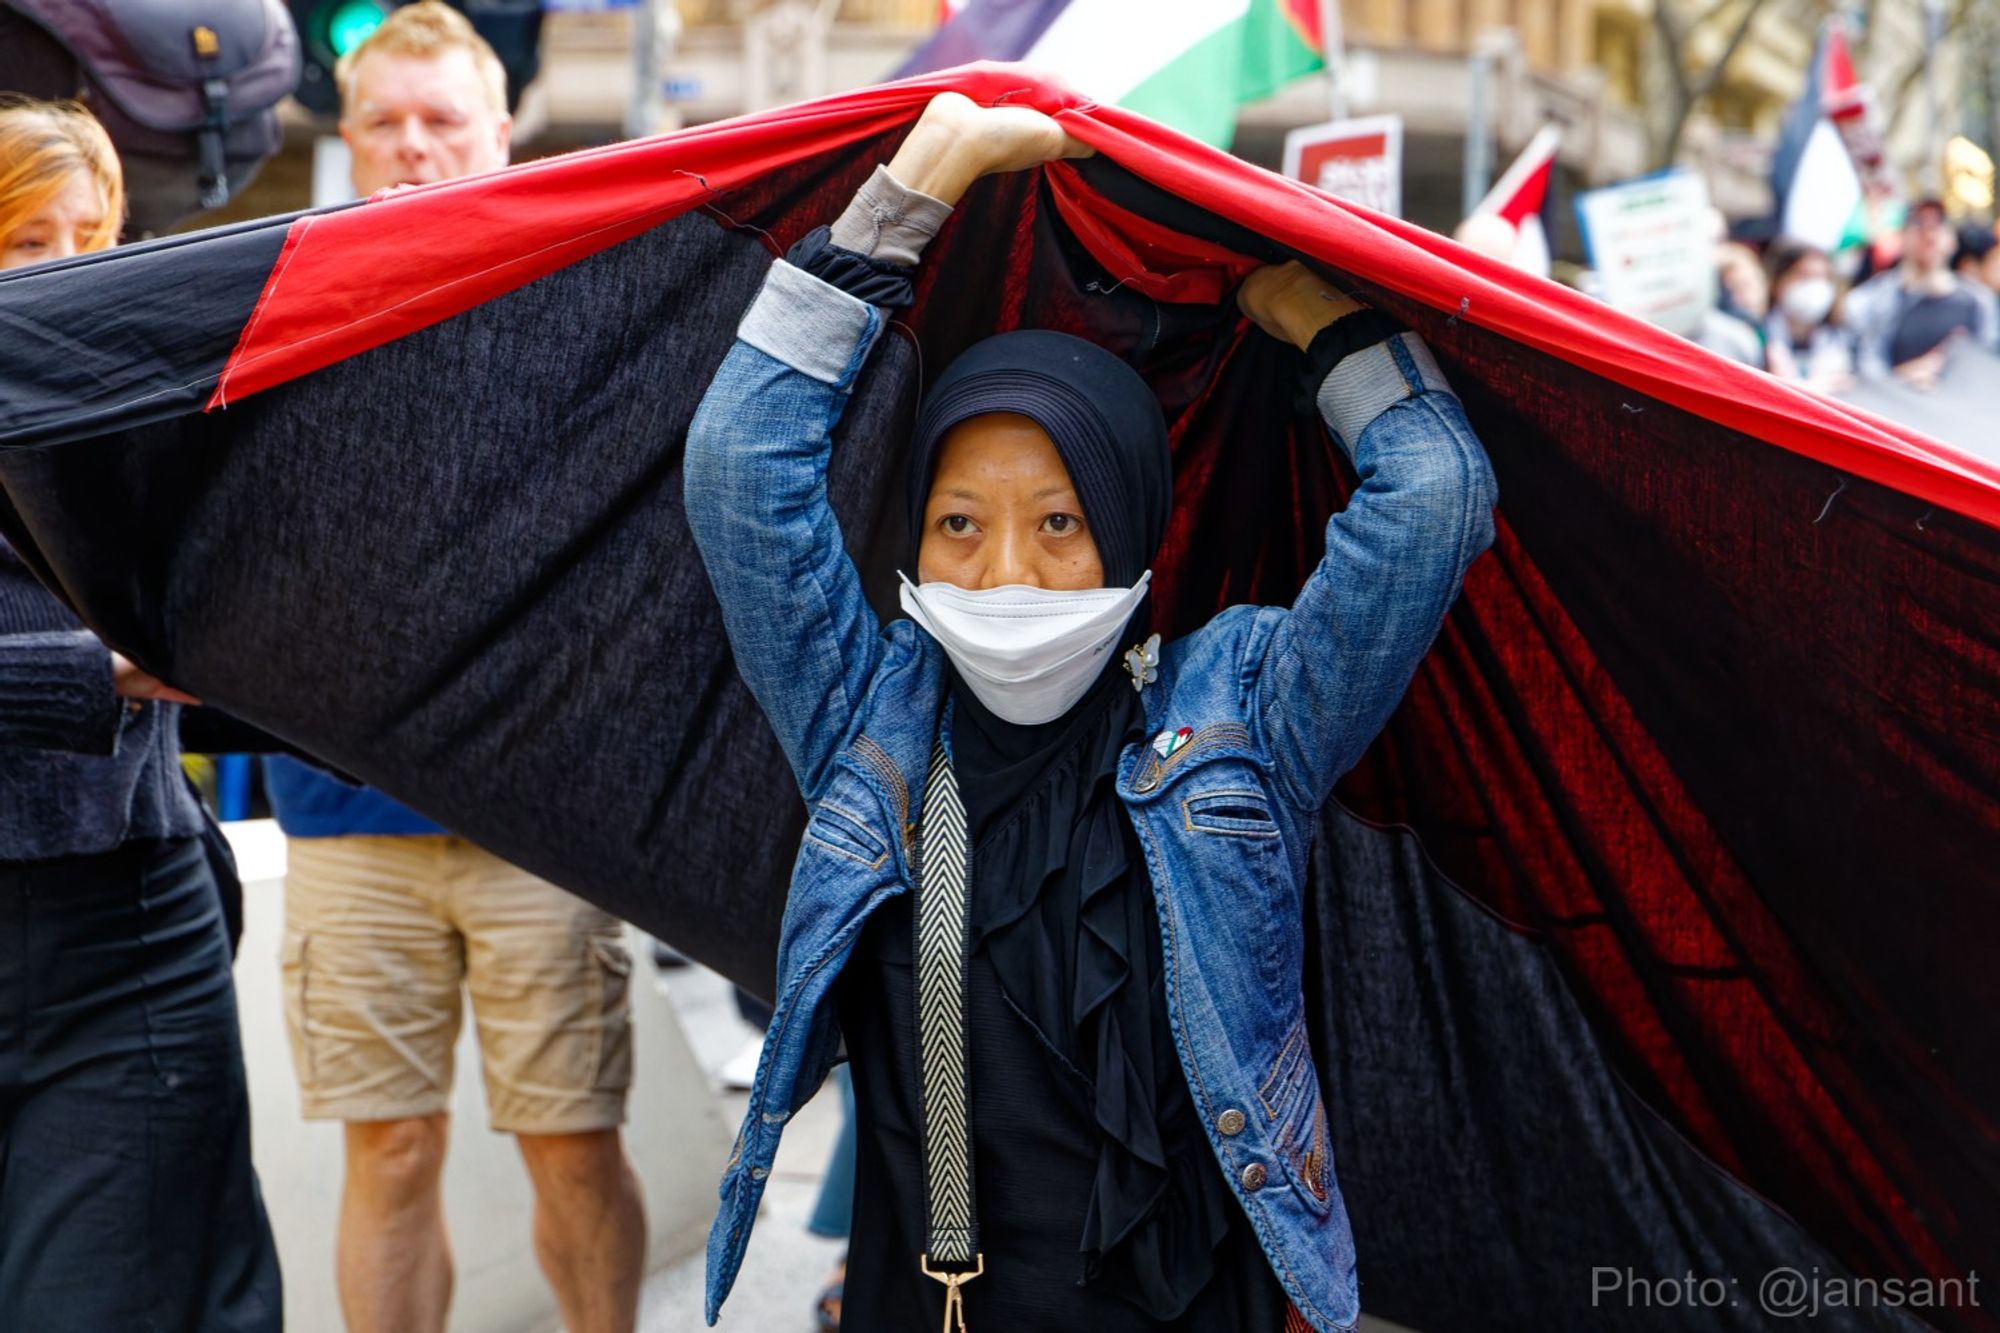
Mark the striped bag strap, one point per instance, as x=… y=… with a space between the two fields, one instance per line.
x=951 y=1251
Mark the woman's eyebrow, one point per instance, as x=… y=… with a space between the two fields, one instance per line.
x=960 y=493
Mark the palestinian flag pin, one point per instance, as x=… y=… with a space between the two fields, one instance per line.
x=1169 y=741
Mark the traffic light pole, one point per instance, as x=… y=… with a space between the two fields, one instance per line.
x=645 y=70
x=1333 y=52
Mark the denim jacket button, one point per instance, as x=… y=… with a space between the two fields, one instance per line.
x=1230 y=1122
x=1253 y=1177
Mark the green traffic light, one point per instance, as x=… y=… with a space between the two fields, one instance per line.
x=351 y=22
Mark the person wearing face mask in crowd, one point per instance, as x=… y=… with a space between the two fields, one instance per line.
x=1906 y=320
x=1802 y=339
x=1018 y=900
x=127 y=1196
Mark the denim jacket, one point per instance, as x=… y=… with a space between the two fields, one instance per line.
x=1277 y=704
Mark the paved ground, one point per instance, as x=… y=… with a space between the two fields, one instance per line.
x=785 y=1265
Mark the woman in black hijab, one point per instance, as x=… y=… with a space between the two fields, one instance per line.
x=1058 y=937
x=1121 y=1222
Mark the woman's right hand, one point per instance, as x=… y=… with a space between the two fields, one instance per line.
x=956 y=141
x=1291 y=302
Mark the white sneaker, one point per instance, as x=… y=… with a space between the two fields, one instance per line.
x=739 y=1072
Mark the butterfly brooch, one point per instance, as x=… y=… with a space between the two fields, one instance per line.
x=1142 y=661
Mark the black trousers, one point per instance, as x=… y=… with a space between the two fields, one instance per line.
x=127 y=1199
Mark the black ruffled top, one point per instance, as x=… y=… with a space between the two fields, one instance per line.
x=1100 y=1203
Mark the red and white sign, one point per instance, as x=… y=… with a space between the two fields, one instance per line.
x=1359 y=160
x=1650 y=242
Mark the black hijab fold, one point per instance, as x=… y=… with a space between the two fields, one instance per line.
x=1105 y=422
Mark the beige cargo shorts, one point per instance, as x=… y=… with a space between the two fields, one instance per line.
x=381 y=935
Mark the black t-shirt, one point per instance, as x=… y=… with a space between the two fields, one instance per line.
x=1923 y=322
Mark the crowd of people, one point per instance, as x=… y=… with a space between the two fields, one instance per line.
x=1039 y=486
x=1909 y=301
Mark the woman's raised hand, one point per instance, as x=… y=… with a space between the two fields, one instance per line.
x=1291 y=302
x=956 y=141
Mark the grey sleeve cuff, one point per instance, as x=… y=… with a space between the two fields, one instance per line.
x=1369 y=382
x=810 y=325
x=889 y=221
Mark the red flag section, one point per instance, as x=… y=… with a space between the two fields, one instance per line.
x=1520 y=193
x=1304 y=15
x=357 y=278
x=1840 y=89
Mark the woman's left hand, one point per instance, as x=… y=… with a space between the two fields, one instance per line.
x=1291 y=302
x=135 y=683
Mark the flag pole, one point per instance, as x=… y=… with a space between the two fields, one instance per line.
x=1333 y=52
x=1478 y=169
x=639 y=120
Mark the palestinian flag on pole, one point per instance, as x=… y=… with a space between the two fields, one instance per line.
x=1518 y=197
x=1813 y=174
x=1185 y=63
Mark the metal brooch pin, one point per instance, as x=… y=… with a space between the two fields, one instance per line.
x=1142 y=662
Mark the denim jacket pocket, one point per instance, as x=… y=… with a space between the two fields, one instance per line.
x=1229 y=812
x=1228 y=865
x=845 y=833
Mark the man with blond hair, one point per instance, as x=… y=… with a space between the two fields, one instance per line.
x=424 y=99
x=388 y=917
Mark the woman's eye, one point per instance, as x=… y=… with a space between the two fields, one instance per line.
x=956 y=524
x=1062 y=524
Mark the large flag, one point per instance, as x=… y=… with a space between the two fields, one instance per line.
x=1813 y=175
x=1650 y=948
x=1185 y=63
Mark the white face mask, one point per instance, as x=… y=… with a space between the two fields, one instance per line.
x=1808 y=300
x=1026 y=653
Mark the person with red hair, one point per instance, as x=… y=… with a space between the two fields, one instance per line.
x=61 y=190
x=127 y=1197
